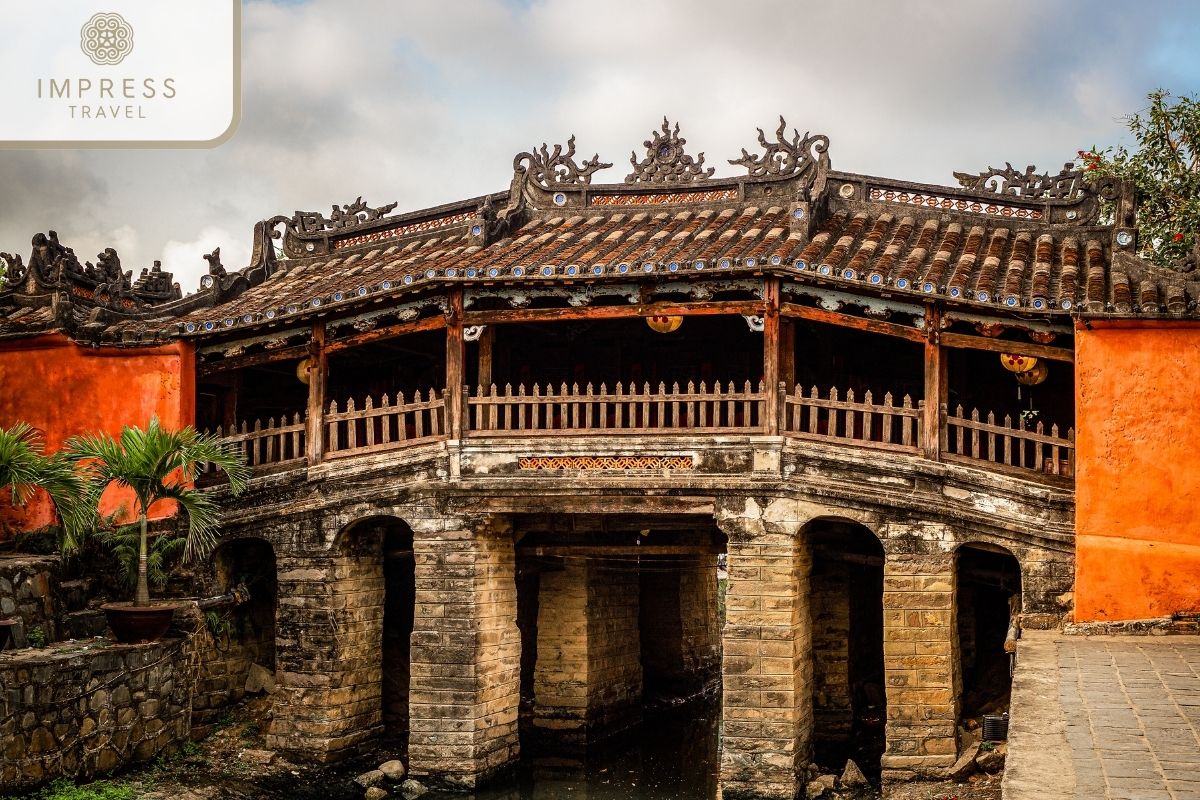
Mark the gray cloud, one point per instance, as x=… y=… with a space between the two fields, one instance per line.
x=424 y=103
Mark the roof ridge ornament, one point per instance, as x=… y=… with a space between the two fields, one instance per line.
x=666 y=161
x=343 y=218
x=783 y=158
x=1068 y=184
x=553 y=170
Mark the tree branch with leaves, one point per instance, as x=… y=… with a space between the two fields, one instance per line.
x=1164 y=167
x=25 y=468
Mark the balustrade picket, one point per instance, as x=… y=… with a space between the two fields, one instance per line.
x=1009 y=445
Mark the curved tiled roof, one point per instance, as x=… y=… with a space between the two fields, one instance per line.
x=1034 y=250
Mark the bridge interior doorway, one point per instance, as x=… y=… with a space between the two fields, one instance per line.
x=849 y=704
x=988 y=596
x=379 y=553
x=618 y=614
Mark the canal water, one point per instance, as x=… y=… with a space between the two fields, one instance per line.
x=672 y=755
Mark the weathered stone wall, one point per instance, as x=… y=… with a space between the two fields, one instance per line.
x=921 y=660
x=80 y=711
x=613 y=643
x=701 y=630
x=588 y=676
x=680 y=634
x=833 y=715
x=28 y=585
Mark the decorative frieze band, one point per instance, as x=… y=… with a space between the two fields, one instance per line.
x=592 y=463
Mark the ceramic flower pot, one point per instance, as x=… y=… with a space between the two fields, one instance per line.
x=132 y=624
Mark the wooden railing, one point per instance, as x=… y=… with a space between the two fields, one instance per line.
x=387 y=426
x=272 y=443
x=662 y=410
x=1007 y=445
x=885 y=426
x=568 y=410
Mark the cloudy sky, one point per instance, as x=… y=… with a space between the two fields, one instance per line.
x=427 y=102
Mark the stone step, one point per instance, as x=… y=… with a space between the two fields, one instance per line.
x=86 y=624
x=77 y=593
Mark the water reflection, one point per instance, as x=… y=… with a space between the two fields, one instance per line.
x=672 y=755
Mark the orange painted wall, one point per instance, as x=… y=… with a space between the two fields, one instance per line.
x=64 y=389
x=1137 y=485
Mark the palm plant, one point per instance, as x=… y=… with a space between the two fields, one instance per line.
x=157 y=464
x=25 y=468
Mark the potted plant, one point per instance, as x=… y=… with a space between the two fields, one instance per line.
x=157 y=465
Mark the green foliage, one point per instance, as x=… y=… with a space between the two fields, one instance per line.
x=25 y=468
x=36 y=636
x=219 y=626
x=63 y=789
x=162 y=553
x=1164 y=168
x=158 y=464
x=189 y=748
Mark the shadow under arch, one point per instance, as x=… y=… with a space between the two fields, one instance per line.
x=384 y=543
x=846 y=612
x=987 y=598
x=242 y=636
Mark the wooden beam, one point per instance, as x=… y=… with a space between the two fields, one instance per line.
x=454 y=364
x=317 y=373
x=935 y=385
x=206 y=368
x=503 y=316
x=624 y=551
x=814 y=314
x=389 y=332
x=964 y=341
x=771 y=346
x=959 y=341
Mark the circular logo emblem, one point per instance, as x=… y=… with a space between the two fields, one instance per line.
x=106 y=38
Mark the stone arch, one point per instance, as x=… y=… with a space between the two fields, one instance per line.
x=987 y=601
x=846 y=612
x=382 y=546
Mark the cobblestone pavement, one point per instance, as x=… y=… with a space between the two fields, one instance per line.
x=1105 y=717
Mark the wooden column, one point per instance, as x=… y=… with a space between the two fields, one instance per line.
x=317 y=374
x=454 y=365
x=486 y=340
x=787 y=352
x=771 y=354
x=935 y=384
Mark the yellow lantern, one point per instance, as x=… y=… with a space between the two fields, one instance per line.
x=1034 y=376
x=302 y=370
x=664 y=324
x=1015 y=362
